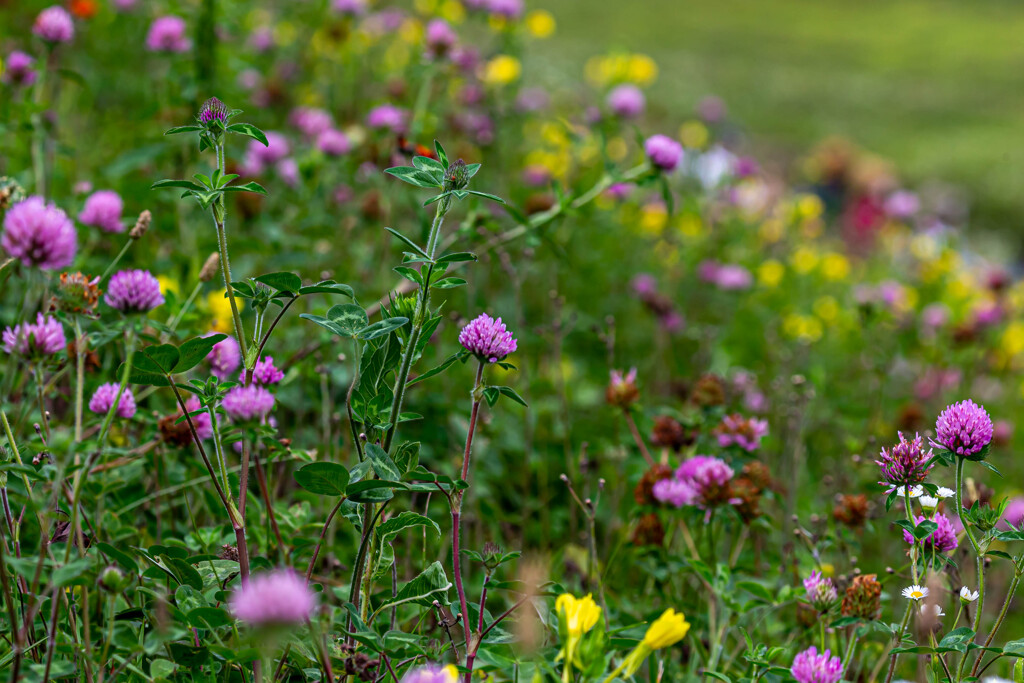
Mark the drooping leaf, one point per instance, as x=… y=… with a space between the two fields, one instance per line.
x=249 y=130
x=192 y=352
x=323 y=478
x=282 y=282
x=380 y=328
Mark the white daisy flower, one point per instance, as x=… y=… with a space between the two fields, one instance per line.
x=932 y=610
x=915 y=592
x=929 y=503
x=943 y=492
x=967 y=595
x=915 y=492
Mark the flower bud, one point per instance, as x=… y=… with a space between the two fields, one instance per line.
x=456 y=177
x=141 y=225
x=113 y=579
x=213 y=114
x=209 y=270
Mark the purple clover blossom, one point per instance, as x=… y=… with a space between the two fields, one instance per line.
x=506 y=9
x=736 y=430
x=248 y=403
x=167 y=34
x=213 y=110
x=45 y=337
x=963 y=428
x=311 y=121
x=105 y=396
x=349 y=8
x=278 y=598
x=333 y=143
x=1013 y=514
x=133 y=291
x=902 y=204
x=731 y=276
x=288 y=171
x=19 y=69
x=103 y=210
x=821 y=592
x=432 y=673
x=664 y=152
x=262 y=39
x=440 y=38
x=224 y=357
x=387 y=117
x=487 y=339
x=906 y=463
x=810 y=667
x=265 y=372
x=943 y=539
x=702 y=481
x=54 y=25
x=258 y=157
x=39 y=234
x=626 y=101
x=674 y=492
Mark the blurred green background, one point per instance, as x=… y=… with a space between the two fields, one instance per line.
x=935 y=86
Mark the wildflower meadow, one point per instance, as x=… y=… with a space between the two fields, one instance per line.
x=350 y=340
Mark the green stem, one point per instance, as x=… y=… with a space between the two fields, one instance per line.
x=117 y=259
x=899 y=639
x=79 y=381
x=225 y=270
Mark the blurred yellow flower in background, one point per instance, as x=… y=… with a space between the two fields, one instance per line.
x=540 y=23
x=220 y=311
x=804 y=260
x=694 y=134
x=502 y=70
x=835 y=266
x=805 y=328
x=169 y=284
x=770 y=273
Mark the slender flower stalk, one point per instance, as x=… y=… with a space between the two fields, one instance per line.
x=456 y=509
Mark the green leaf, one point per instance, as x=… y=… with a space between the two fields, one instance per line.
x=413 y=176
x=250 y=131
x=323 y=478
x=187 y=184
x=122 y=558
x=209 y=617
x=485 y=195
x=441 y=156
x=183 y=129
x=428 y=165
x=408 y=242
x=409 y=274
x=282 y=282
x=448 y=283
x=328 y=287
x=457 y=257
x=251 y=186
x=379 y=329
x=382 y=463
x=440 y=368
x=432 y=584
x=344 y=320
x=192 y=352
x=373 y=490
x=472 y=170
x=62 y=576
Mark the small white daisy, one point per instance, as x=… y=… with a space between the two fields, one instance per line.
x=943 y=492
x=967 y=595
x=915 y=592
x=934 y=610
x=929 y=503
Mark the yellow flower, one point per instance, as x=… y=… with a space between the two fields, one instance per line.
x=168 y=284
x=804 y=260
x=502 y=70
x=641 y=69
x=691 y=225
x=1012 y=342
x=669 y=629
x=826 y=308
x=453 y=12
x=540 y=23
x=451 y=674
x=809 y=206
x=694 y=134
x=770 y=273
x=835 y=266
x=653 y=218
x=220 y=311
x=580 y=614
x=772 y=230
x=617 y=149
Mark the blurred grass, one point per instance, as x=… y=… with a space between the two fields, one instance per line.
x=933 y=85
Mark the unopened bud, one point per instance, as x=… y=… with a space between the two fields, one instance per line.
x=209 y=270
x=456 y=177
x=141 y=225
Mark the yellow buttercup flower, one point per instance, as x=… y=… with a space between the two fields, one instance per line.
x=809 y=206
x=502 y=70
x=540 y=23
x=770 y=273
x=641 y=70
x=220 y=310
x=826 y=308
x=691 y=225
x=669 y=629
x=653 y=218
x=451 y=674
x=1012 y=342
x=804 y=260
x=835 y=266
x=580 y=614
x=168 y=284
x=453 y=12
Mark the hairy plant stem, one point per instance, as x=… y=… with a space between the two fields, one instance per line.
x=999 y=620
x=980 y=560
x=79 y=381
x=456 y=500
x=38 y=132
x=117 y=259
x=219 y=214
x=899 y=638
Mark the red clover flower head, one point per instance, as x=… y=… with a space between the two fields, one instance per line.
x=278 y=598
x=943 y=539
x=19 y=69
x=265 y=372
x=821 y=592
x=487 y=339
x=248 y=403
x=105 y=396
x=440 y=38
x=745 y=432
x=202 y=421
x=963 y=428
x=54 y=25
x=133 y=291
x=664 y=152
x=39 y=234
x=213 y=112
x=906 y=463
x=224 y=357
x=702 y=481
x=810 y=667
x=45 y=337
x=388 y=117
x=333 y=143
x=103 y=210
x=432 y=673
x=167 y=34
x=626 y=101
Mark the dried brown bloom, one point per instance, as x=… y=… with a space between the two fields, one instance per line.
x=649 y=531
x=757 y=472
x=851 y=510
x=76 y=293
x=174 y=433
x=622 y=390
x=644 y=491
x=141 y=225
x=210 y=268
x=911 y=418
x=708 y=391
x=863 y=597
x=362 y=666
x=745 y=496
x=538 y=202
x=228 y=552
x=669 y=433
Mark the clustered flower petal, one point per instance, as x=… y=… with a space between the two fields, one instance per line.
x=225 y=357
x=333 y=143
x=388 y=117
x=487 y=339
x=664 y=152
x=39 y=234
x=265 y=372
x=745 y=432
x=19 y=69
x=103 y=210
x=45 y=337
x=702 y=481
x=963 y=428
x=277 y=598
x=54 y=25
x=133 y=291
x=943 y=539
x=432 y=673
x=213 y=110
x=626 y=101
x=821 y=592
x=248 y=403
x=167 y=34
x=105 y=396
x=906 y=463
x=810 y=667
